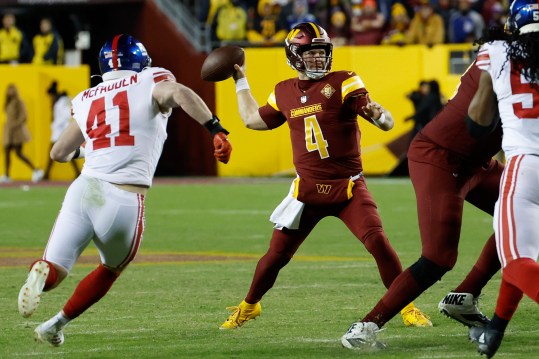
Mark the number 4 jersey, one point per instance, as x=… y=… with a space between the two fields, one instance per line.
x=518 y=101
x=322 y=117
x=123 y=127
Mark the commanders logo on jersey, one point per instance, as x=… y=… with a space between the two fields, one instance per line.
x=328 y=91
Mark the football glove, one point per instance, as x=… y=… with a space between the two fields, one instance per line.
x=222 y=148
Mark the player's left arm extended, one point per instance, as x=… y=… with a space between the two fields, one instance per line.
x=170 y=94
x=68 y=146
x=483 y=109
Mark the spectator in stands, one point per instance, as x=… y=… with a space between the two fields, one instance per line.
x=208 y=8
x=396 y=34
x=445 y=9
x=465 y=24
x=10 y=40
x=324 y=10
x=300 y=13
x=493 y=14
x=230 y=22
x=367 y=24
x=339 y=29
x=269 y=28
x=48 y=45
x=16 y=133
x=426 y=27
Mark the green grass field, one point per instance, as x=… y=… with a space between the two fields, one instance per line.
x=173 y=309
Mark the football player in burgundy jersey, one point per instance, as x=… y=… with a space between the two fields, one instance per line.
x=320 y=108
x=508 y=86
x=447 y=167
x=122 y=122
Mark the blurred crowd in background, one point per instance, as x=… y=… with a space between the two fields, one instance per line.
x=267 y=22
x=352 y=22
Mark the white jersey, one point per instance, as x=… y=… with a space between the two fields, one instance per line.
x=518 y=103
x=123 y=127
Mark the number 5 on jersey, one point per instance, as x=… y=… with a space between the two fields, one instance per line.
x=314 y=138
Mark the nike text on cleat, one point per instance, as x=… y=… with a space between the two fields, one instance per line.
x=463 y=308
x=413 y=317
x=242 y=313
x=362 y=335
x=51 y=332
x=488 y=340
x=30 y=293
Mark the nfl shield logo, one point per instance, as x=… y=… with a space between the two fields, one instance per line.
x=303 y=99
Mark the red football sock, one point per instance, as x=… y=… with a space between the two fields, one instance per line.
x=508 y=299
x=486 y=266
x=523 y=274
x=90 y=290
x=402 y=291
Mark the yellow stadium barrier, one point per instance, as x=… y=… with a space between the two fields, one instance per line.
x=32 y=81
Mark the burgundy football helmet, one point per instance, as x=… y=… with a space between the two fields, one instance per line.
x=304 y=37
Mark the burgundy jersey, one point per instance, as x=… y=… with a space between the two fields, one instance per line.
x=448 y=128
x=322 y=117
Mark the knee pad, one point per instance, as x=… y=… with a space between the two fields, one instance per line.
x=426 y=272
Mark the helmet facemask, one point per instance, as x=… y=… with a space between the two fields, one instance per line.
x=315 y=59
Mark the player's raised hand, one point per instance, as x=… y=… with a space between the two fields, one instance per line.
x=240 y=71
x=373 y=109
x=222 y=147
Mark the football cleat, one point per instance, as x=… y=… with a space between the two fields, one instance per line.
x=488 y=340
x=51 y=332
x=242 y=313
x=30 y=293
x=413 y=317
x=362 y=335
x=463 y=308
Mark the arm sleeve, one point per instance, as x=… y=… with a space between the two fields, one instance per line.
x=271 y=116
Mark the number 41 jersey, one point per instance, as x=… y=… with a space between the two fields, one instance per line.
x=123 y=127
x=518 y=101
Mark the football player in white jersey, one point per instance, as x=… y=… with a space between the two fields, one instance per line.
x=508 y=87
x=122 y=122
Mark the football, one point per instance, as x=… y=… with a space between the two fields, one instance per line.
x=219 y=65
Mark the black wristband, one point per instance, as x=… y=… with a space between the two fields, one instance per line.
x=76 y=154
x=214 y=126
x=476 y=130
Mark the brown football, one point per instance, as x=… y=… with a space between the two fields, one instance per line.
x=219 y=65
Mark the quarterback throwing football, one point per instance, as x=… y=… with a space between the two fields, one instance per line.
x=320 y=108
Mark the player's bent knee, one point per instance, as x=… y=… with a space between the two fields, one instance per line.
x=426 y=272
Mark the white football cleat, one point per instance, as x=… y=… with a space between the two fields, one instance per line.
x=51 y=331
x=30 y=293
x=362 y=335
x=463 y=308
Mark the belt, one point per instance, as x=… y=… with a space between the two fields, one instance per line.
x=356 y=177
